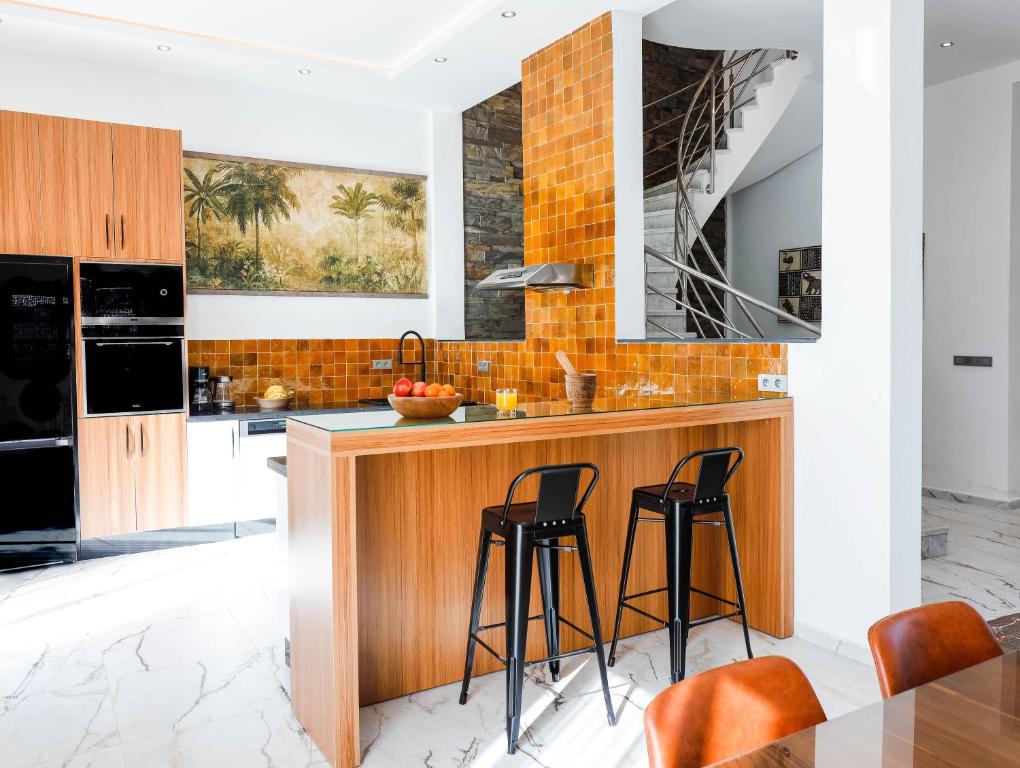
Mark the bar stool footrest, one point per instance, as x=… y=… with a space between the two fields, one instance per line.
x=503 y=659
x=710 y=619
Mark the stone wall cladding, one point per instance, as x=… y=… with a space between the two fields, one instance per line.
x=666 y=69
x=493 y=214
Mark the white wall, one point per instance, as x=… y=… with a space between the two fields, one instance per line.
x=446 y=196
x=227 y=118
x=1013 y=437
x=783 y=210
x=857 y=390
x=628 y=147
x=967 y=192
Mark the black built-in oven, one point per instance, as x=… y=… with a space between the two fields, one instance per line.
x=133 y=336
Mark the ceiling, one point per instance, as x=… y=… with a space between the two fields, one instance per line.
x=383 y=51
x=986 y=33
x=709 y=24
x=379 y=51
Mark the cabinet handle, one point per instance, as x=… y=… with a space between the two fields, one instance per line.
x=233 y=453
x=122 y=231
x=141 y=428
x=127 y=439
x=107 y=228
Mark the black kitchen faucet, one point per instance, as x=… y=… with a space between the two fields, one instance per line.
x=400 y=352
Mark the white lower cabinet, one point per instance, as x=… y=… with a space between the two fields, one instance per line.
x=213 y=490
x=228 y=479
x=258 y=481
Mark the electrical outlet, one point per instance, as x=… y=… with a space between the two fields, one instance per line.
x=385 y=364
x=772 y=382
x=483 y=366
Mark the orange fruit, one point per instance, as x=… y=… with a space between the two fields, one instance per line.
x=448 y=390
x=433 y=390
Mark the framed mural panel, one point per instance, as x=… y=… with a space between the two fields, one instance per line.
x=267 y=227
x=800 y=283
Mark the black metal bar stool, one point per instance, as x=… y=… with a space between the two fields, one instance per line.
x=680 y=506
x=526 y=528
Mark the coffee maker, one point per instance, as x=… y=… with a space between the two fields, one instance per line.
x=201 y=395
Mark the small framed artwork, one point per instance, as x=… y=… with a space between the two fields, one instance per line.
x=800 y=283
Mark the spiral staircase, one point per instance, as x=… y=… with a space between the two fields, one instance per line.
x=729 y=115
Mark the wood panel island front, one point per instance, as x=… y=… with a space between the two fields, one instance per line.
x=383 y=529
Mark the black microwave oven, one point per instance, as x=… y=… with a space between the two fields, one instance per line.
x=132 y=329
x=130 y=294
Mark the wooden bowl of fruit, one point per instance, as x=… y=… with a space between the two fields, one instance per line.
x=424 y=401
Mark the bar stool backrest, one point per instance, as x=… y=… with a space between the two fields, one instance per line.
x=716 y=467
x=557 y=491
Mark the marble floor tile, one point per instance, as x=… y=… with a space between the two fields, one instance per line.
x=982 y=566
x=175 y=659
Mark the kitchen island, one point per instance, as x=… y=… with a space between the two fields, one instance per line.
x=383 y=533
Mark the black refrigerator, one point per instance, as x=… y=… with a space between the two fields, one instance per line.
x=38 y=488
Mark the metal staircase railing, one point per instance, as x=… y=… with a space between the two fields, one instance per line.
x=714 y=105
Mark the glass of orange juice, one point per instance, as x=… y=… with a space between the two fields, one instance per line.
x=506 y=401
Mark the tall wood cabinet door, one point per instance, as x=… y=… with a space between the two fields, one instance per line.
x=147 y=194
x=161 y=474
x=106 y=475
x=20 y=184
x=77 y=187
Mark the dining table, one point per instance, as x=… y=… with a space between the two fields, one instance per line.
x=970 y=718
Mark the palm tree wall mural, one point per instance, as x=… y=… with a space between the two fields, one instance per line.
x=256 y=226
x=354 y=203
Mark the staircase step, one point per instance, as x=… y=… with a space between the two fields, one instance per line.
x=660 y=203
x=663 y=188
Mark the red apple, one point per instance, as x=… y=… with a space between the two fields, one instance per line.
x=402 y=387
x=418 y=390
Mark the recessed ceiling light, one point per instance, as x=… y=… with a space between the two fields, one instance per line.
x=163 y=48
x=304 y=71
x=508 y=14
x=440 y=59
x=946 y=44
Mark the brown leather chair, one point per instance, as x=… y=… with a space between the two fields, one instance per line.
x=728 y=711
x=919 y=645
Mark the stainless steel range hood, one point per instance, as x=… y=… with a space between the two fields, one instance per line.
x=542 y=277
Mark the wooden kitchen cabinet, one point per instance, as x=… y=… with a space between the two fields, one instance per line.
x=161 y=472
x=132 y=474
x=20 y=184
x=104 y=193
x=76 y=158
x=147 y=194
x=106 y=476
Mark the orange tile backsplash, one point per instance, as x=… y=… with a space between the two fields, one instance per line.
x=569 y=216
x=326 y=373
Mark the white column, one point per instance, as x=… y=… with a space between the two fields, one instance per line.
x=627 y=159
x=858 y=389
x=446 y=222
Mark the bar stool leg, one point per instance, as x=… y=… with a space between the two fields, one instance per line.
x=481 y=568
x=588 y=576
x=673 y=546
x=628 y=550
x=684 y=591
x=679 y=544
x=519 y=557
x=735 y=559
x=549 y=581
